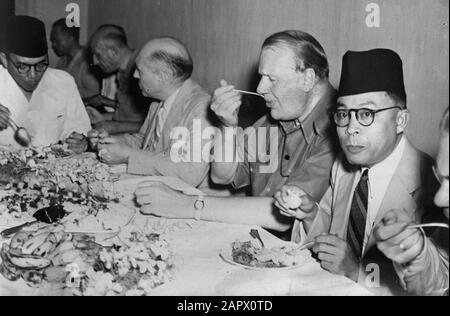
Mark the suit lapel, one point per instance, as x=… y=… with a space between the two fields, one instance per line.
x=342 y=199
x=176 y=113
x=400 y=193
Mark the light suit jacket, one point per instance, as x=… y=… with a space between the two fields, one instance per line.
x=192 y=103
x=411 y=188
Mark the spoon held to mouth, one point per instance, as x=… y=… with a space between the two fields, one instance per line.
x=250 y=93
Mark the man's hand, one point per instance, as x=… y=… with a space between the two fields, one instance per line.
x=95 y=136
x=226 y=103
x=4 y=117
x=113 y=152
x=160 y=200
x=99 y=101
x=294 y=202
x=94 y=115
x=78 y=143
x=336 y=256
x=395 y=240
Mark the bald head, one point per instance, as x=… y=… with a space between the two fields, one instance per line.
x=169 y=56
x=111 y=35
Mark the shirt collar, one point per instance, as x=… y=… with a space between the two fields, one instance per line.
x=384 y=170
x=167 y=105
x=317 y=122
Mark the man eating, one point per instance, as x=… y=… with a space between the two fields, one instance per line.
x=44 y=101
x=379 y=170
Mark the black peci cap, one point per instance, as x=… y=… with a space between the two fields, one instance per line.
x=25 y=36
x=372 y=71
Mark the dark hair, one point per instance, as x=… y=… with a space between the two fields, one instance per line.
x=73 y=31
x=398 y=100
x=181 y=67
x=308 y=51
x=444 y=123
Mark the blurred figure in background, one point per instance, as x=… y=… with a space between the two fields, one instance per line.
x=74 y=58
x=111 y=53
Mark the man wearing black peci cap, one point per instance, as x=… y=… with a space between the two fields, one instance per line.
x=44 y=101
x=379 y=170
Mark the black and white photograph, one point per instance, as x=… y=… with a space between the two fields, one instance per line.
x=224 y=153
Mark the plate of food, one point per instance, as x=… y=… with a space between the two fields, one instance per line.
x=252 y=256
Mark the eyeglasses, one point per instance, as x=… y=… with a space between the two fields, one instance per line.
x=365 y=117
x=23 y=68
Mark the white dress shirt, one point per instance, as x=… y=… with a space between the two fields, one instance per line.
x=53 y=113
x=380 y=175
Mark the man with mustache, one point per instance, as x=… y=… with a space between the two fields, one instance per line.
x=43 y=100
x=379 y=170
x=422 y=261
x=295 y=86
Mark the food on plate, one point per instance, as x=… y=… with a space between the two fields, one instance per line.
x=134 y=264
x=252 y=255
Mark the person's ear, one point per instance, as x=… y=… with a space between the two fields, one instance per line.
x=309 y=79
x=403 y=118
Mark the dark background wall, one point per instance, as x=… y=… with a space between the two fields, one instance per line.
x=225 y=36
x=6 y=10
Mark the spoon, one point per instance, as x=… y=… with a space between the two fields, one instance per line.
x=48 y=215
x=440 y=225
x=255 y=234
x=248 y=92
x=21 y=135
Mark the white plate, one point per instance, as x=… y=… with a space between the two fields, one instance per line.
x=227 y=257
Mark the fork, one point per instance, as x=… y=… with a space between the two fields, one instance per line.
x=255 y=234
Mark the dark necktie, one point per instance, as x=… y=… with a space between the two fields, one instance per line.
x=358 y=215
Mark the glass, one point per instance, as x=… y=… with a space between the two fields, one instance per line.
x=23 y=68
x=365 y=117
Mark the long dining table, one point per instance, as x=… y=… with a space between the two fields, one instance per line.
x=201 y=269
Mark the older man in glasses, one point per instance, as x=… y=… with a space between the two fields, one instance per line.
x=44 y=101
x=379 y=170
x=422 y=261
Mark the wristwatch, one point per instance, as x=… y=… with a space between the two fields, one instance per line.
x=199 y=205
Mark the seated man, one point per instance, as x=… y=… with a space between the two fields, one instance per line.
x=44 y=101
x=298 y=135
x=380 y=170
x=422 y=262
x=112 y=54
x=73 y=58
x=164 y=68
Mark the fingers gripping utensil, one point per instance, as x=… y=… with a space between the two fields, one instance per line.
x=48 y=215
x=255 y=234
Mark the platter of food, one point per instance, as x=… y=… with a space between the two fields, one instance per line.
x=38 y=178
x=134 y=264
x=251 y=255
